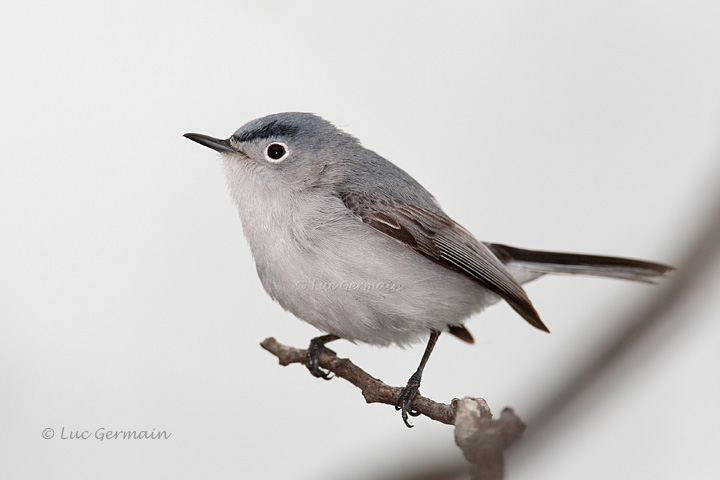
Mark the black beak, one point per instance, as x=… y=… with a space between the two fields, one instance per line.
x=210 y=142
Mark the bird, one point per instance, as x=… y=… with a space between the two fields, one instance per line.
x=350 y=243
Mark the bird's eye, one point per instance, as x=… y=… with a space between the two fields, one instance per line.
x=275 y=152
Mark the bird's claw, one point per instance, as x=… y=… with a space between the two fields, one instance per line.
x=312 y=359
x=405 y=401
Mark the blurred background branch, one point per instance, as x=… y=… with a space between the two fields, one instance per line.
x=702 y=259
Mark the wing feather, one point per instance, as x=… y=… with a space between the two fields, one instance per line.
x=444 y=241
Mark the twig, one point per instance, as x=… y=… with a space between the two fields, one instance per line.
x=481 y=439
x=374 y=390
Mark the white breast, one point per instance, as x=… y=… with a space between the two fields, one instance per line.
x=324 y=265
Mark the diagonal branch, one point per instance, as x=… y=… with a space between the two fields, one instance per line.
x=374 y=390
x=481 y=439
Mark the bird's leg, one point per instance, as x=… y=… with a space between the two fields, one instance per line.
x=313 y=352
x=407 y=395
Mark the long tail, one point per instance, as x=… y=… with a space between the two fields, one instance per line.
x=573 y=263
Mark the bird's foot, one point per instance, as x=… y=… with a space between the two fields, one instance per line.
x=405 y=399
x=313 y=354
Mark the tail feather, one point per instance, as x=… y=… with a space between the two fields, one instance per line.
x=580 y=264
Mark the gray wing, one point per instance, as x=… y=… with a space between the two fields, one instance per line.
x=444 y=241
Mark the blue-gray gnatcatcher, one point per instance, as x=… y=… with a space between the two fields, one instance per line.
x=353 y=245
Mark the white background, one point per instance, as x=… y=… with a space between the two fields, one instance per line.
x=129 y=299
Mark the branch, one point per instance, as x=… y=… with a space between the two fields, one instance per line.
x=374 y=390
x=481 y=439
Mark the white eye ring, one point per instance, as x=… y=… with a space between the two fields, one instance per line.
x=276 y=152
